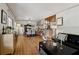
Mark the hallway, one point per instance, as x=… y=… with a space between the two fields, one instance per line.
x=27 y=45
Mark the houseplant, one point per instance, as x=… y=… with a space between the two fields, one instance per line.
x=9 y=29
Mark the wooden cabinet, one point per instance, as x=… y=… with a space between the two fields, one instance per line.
x=51 y=18
x=7 y=44
x=51 y=30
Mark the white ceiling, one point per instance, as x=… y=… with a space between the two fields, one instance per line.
x=36 y=11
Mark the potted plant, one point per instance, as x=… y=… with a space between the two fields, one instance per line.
x=9 y=29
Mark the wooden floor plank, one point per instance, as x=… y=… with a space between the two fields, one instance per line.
x=27 y=45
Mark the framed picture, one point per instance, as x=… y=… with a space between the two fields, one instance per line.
x=3 y=17
x=60 y=21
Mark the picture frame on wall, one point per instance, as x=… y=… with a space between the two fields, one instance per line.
x=60 y=21
x=3 y=17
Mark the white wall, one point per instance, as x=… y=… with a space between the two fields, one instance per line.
x=7 y=10
x=26 y=22
x=70 y=21
x=2 y=6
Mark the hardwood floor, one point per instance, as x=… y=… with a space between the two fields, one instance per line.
x=27 y=45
